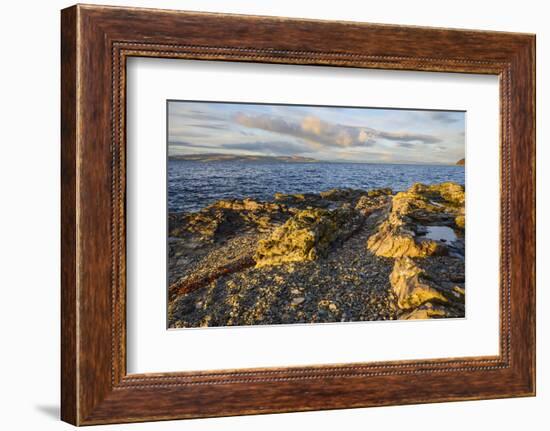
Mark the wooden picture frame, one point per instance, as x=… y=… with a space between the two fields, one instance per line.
x=95 y=43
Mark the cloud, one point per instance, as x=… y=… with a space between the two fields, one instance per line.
x=185 y=144
x=184 y=147
x=321 y=133
x=213 y=126
x=185 y=133
x=446 y=117
x=409 y=137
x=311 y=129
x=274 y=148
x=181 y=113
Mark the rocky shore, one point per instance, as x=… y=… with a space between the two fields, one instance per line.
x=337 y=256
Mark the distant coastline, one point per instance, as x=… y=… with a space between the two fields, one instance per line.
x=218 y=157
x=242 y=158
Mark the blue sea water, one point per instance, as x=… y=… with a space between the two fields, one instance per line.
x=194 y=185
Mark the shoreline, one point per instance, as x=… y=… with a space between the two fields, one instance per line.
x=334 y=256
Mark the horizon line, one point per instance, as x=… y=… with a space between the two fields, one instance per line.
x=313 y=160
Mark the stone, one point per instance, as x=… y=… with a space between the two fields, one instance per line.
x=297 y=301
x=460 y=221
x=338 y=194
x=411 y=286
x=371 y=202
x=390 y=241
x=227 y=218
x=379 y=192
x=247 y=204
x=327 y=304
x=286 y=197
x=401 y=233
x=423 y=287
x=459 y=290
x=306 y=236
x=426 y=311
x=451 y=192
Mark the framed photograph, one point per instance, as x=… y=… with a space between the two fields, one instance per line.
x=263 y=214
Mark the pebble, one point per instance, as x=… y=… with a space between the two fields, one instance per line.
x=297 y=301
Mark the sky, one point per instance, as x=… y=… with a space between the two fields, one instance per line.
x=338 y=134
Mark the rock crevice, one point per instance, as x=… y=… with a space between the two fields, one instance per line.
x=404 y=235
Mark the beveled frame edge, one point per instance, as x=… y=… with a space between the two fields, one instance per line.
x=96 y=41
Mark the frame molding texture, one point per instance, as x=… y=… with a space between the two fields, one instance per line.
x=95 y=43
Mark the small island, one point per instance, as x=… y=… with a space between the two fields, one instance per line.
x=461 y=162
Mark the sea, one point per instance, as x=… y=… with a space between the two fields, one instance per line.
x=194 y=185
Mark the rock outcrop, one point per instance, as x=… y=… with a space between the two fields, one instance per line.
x=307 y=235
x=374 y=200
x=335 y=256
x=227 y=218
x=406 y=235
x=420 y=292
x=403 y=233
x=411 y=286
x=360 y=199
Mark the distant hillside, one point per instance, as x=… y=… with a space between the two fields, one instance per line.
x=461 y=162
x=242 y=158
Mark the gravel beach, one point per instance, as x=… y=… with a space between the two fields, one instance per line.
x=338 y=256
